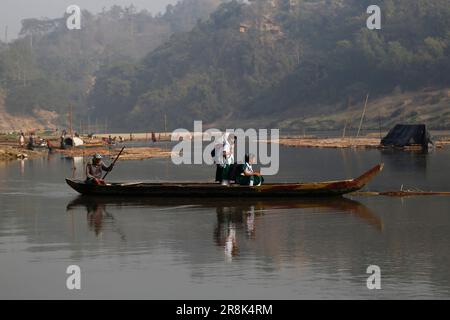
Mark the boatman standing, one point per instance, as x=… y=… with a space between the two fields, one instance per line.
x=95 y=170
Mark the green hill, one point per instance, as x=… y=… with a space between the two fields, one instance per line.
x=270 y=59
x=277 y=63
x=50 y=67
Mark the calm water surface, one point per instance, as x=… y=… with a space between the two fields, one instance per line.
x=227 y=249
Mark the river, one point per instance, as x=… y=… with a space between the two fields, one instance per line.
x=227 y=249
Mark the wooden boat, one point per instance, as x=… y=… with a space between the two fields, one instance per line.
x=193 y=189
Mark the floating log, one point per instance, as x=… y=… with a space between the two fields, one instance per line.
x=404 y=193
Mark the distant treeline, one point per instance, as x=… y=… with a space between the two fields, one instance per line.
x=246 y=60
x=51 y=67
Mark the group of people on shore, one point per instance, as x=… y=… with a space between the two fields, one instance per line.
x=228 y=170
x=33 y=142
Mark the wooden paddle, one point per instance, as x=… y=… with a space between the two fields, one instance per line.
x=114 y=162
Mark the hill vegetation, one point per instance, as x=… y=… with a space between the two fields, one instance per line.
x=274 y=63
x=301 y=59
x=50 y=67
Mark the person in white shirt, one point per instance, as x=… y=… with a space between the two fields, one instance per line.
x=228 y=159
x=22 y=140
x=217 y=154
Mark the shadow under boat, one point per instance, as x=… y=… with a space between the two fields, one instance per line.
x=234 y=210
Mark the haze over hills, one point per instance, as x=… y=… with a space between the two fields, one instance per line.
x=50 y=67
x=278 y=63
x=12 y=12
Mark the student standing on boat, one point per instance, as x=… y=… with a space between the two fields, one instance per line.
x=234 y=167
x=218 y=160
x=248 y=177
x=220 y=152
x=228 y=159
x=95 y=170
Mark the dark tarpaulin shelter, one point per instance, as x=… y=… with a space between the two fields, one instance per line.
x=403 y=135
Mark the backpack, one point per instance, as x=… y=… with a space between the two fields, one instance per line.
x=235 y=171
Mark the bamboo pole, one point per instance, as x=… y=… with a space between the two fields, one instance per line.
x=165 y=125
x=362 y=116
x=70 y=121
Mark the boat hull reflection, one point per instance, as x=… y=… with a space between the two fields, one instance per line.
x=234 y=209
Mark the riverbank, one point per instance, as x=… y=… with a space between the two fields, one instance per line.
x=141 y=136
x=9 y=153
x=133 y=153
x=351 y=142
x=331 y=142
x=9 y=149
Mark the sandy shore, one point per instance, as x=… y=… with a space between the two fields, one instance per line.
x=8 y=153
x=331 y=142
x=160 y=136
x=133 y=153
x=362 y=142
x=9 y=150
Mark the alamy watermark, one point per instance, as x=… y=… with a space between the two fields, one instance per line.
x=190 y=148
x=73 y=22
x=374 y=21
x=73 y=281
x=374 y=280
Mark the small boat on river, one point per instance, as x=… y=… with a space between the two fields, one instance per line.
x=199 y=189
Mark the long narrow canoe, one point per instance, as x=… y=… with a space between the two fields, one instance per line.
x=192 y=189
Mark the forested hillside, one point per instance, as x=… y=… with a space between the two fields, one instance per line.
x=270 y=62
x=50 y=67
x=271 y=58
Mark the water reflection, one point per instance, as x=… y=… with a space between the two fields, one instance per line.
x=160 y=247
x=233 y=218
x=22 y=167
x=229 y=219
x=412 y=160
x=97 y=215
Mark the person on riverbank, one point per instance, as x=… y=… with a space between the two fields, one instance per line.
x=94 y=170
x=49 y=145
x=30 y=145
x=22 y=140
x=62 y=140
x=248 y=176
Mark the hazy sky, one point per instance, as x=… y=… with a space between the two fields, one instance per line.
x=13 y=11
